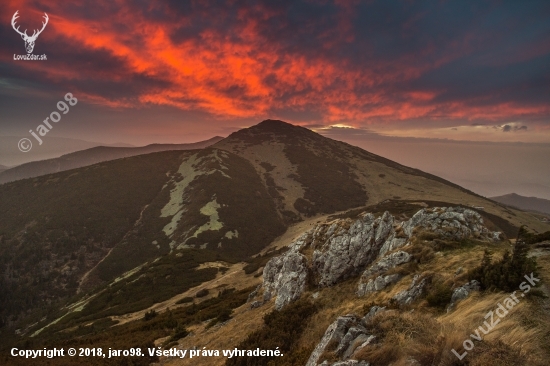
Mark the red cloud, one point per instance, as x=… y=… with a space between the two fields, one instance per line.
x=240 y=73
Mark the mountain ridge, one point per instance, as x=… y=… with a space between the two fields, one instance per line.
x=524 y=203
x=91 y=156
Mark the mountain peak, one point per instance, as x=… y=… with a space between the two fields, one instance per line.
x=274 y=123
x=277 y=126
x=270 y=130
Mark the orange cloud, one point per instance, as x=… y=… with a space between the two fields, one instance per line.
x=241 y=74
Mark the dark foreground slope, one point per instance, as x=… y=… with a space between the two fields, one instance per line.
x=78 y=229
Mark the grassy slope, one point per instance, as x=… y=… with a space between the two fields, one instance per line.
x=54 y=228
x=321 y=175
x=86 y=228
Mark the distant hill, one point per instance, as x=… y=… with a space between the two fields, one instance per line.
x=52 y=148
x=524 y=203
x=3 y=167
x=91 y=156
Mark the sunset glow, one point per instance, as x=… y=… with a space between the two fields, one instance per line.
x=379 y=66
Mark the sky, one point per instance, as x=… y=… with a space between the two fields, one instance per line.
x=182 y=71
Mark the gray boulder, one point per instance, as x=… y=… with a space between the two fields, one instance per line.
x=414 y=291
x=451 y=223
x=372 y=312
x=462 y=292
x=390 y=261
x=353 y=333
x=350 y=363
x=334 y=333
x=346 y=252
x=285 y=277
x=254 y=293
x=256 y=304
x=377 y=284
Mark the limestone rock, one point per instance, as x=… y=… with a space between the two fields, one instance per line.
x=344 y=248
x=390 y=261
x=377 y=284
x=346 y=252
x=334 y=333
x=285 y=276
x=414 y=291
x=451 y=223
x=462 y=292
x=256 y=304
x=358 y=343
x=372 y=312
x=254 y=293
x=351 y=363
x=352 y=333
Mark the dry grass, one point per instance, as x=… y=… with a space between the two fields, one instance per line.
x=421 y=334
x=273 y=153
x=222 y=336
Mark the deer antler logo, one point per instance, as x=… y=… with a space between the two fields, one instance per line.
x=29 y=41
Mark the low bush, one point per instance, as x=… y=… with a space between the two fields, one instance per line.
x=185 y=300
x=439 y=295
x=281 y=329
x=179 y=332
x=505 y=274
x=202 y=293
x=149 y=315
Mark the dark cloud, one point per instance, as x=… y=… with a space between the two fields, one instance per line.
x=511 y=128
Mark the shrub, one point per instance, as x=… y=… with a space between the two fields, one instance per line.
x=202 y=293
x=507 y=273
x=149 y=315
x=531 y=238
x=179 y=332
x=281 y=329
x=439 y=296
x=185 y=300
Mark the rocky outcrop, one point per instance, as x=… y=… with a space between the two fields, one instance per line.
x=451 y=223
x=345 y=252
x=334 y=334
x=414 y=291
x=372 y=312
x=254 y=293
x=377 y=284
x=256 y=304
x=285 y=276
x=344 y=248
x=349 y=333
x=390 y=261
x=462 y=292
x=346 y=363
